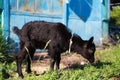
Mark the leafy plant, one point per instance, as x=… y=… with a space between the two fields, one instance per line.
x=4 y=48
x=6 y=70
x=114 y=28
x=4 y=57
x=115 y=16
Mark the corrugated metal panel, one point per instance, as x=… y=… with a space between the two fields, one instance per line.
x=26 y=5
x=51 y=7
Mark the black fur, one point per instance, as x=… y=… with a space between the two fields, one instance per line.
x=35 y=35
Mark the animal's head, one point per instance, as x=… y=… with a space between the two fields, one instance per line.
x=84 y=47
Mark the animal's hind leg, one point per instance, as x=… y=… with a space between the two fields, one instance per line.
x=29 y=59
x=52 y=63
x=28 y=66
x=19 y=58
x=52 y=58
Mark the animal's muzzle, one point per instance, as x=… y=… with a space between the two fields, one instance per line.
x=91 y=60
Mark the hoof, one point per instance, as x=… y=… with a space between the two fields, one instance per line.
x=21 y=76
x=28 y=71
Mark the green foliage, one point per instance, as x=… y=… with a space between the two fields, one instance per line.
x=4 y=48
x=6 y=70
x=5 y=59
x=4 y=45
x=115 y=16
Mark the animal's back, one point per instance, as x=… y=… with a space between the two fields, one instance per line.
x=42 y=32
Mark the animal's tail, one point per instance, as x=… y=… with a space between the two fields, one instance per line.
x=16 y=30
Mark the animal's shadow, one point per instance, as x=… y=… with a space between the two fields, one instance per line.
x=97 y=64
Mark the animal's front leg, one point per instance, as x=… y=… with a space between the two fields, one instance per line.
x=52 y=63
x=21 y=55
x=58 y=58
x=28 y=66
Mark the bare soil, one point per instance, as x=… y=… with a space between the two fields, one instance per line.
x=41 y=62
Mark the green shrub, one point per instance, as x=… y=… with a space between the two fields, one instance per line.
x=5 y=59
x=115 y=16
x=4 y=48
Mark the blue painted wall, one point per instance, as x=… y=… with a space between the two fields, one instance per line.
x=85 y=17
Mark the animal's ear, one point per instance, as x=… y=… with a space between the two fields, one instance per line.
x=80 y=38
x=91 y=39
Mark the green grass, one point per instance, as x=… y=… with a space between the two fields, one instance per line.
x=107 y=67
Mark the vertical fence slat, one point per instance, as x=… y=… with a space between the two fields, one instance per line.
x=6 y=18
x=65 y=12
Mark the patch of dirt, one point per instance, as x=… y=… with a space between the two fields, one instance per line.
x=115 y=78
x=41 y=62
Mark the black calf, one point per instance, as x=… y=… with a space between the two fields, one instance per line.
x=35 y=35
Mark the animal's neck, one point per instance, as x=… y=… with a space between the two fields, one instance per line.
x=76 y=47
x=73 y=47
